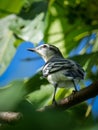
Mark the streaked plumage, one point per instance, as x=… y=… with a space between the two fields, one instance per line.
x=69 y=67
x=59 y=71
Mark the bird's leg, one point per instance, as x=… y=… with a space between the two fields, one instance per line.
x=53 y=100
x=74 y=86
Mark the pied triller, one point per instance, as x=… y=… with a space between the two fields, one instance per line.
x=59 y=72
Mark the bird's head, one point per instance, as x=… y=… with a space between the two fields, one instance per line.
x=46 y=51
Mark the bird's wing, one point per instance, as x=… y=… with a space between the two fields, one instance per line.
x=71 y=68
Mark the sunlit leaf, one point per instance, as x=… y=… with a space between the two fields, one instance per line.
x=28 y=30
x=64 y=24
x=42 y=96
x=60 y=31
x=7 y=49
x=7 y=7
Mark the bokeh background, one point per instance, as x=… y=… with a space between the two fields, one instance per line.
x=72 y=26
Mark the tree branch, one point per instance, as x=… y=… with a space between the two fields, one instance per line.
x=10 y=117
x=70 y=101
x=76 y=98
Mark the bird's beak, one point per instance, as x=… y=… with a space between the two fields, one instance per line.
x=31 y=49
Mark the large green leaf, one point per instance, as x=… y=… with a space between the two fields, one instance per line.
x=7 y=49
x=41 y=97
x=29 y=25
x=12 y=95
x=29 y=30
x=15 y=29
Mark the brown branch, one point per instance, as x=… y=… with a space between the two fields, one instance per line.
x=76 y=98
x=70 y=101
x=10 y=117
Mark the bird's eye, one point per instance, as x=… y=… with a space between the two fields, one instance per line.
x=44 y=46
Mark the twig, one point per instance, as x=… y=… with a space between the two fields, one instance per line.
x=68 y=102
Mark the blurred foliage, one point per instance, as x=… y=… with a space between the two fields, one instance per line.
x=63 y=23
x=10 y=96
x=67 y=22
x=6 y=42
x=8 y=7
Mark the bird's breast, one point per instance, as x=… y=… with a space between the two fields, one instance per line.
x=60 y=79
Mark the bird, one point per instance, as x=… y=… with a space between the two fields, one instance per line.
x=59 y=71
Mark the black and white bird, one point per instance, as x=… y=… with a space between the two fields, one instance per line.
x=60 y=72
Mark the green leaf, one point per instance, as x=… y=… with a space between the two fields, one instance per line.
x=11 y=95
x=41 y=97
x=29 y=25
x=7 y=7
x=60 y=31
x=7 y=49
x=51 y=119
x=29 y=30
